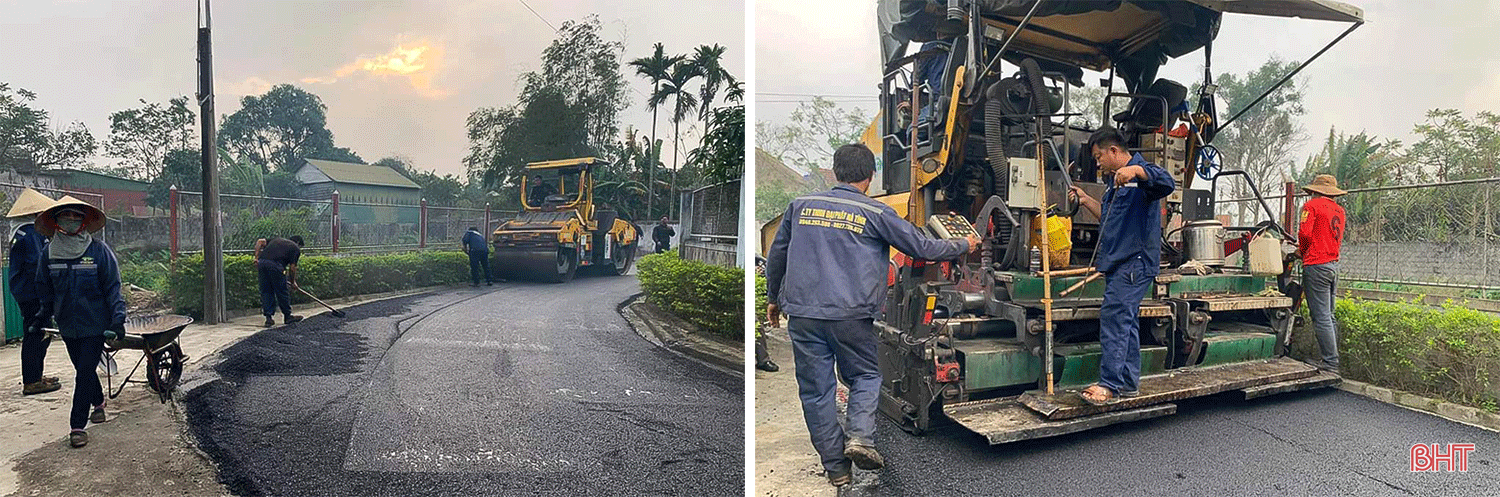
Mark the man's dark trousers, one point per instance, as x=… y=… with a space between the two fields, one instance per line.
x=1120 y=326
x=33 y=343
x=479 y=263
x=818 y=346
x=273 y=290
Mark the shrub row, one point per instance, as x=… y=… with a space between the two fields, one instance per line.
x=1451 y=352
x=324 y=276
x=709 y=296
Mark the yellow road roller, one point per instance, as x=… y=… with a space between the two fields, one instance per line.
x=560 y=227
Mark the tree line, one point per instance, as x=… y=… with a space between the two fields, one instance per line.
x=568 y=108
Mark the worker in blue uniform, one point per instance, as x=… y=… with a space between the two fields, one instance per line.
x=79 y=283
x=1129 y=256
x=479 y=256
x=826 y=269
x=26 y=246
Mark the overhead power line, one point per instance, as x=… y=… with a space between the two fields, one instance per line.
x=538 y=16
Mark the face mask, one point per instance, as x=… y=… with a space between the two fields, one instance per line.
x=70 y=226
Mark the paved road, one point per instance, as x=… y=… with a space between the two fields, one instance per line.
x=1325 y=442
x=520 y=389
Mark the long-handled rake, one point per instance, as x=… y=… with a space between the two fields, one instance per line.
x=335 y=312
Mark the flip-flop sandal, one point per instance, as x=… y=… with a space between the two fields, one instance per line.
x=1112 y=398
x=1131 y=394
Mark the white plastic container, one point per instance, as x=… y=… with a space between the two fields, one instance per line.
x=1265 y=256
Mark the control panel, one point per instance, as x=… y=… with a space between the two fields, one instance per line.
x=948 y=226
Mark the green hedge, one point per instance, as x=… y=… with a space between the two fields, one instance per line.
x=709 y=296
x=326 y=277
x=1451 y=352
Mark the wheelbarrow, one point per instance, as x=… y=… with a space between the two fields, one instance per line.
x=155 y=335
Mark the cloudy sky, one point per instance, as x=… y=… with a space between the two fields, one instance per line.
x=1408 y=58
x=398 y=77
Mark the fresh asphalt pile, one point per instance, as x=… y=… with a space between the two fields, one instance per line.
x=523 y=389
x=1324 y=442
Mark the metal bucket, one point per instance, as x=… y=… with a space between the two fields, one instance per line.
x=1203 y=241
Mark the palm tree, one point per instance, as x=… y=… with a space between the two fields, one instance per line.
x=706 y=59
x=734 y=91
x=654 y=68
x=684 y=102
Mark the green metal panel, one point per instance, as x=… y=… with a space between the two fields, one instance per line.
x=991 y=364
x=1240 y=284
x=1025 y=287
x=1078 y=365
x=13 y=329
x=1226 y=348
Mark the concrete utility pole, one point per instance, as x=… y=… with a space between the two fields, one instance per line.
x=213 y=254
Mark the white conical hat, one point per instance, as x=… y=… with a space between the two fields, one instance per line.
x=30 y=202
x=93 y=218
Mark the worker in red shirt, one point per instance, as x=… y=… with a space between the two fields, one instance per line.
x=1318 y=239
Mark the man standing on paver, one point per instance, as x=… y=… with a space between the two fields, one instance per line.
x=80 y=290
x=662 y=234
x=1129 y=256
x=1319 y=237
x=26 y=247
x=276 y=262
x=479 y=256
x=826 y=270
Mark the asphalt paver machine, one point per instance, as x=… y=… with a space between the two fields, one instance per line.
x=976 y=123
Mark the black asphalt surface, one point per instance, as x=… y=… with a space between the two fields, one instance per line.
x=1326 y=442
x=519 y=389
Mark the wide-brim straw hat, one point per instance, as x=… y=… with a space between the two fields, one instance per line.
x=93 y=218
x=30 y=202
x=1325 y=184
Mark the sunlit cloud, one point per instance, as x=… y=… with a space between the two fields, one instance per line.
x=247 y=86
x=417 y=62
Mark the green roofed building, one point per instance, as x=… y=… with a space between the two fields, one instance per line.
x=361 y=184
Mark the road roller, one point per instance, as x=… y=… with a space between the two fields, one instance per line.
x=561 y=229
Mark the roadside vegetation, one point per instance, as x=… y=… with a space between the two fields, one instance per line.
x=708 y=296
x=1450 y=352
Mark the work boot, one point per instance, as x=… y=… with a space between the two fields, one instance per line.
x=98 y=416
x=865 y=456
x=767 y=366
x=840 y=476
x=269 y=322
x=78 y=438
x=40 y=386
x=292 y=318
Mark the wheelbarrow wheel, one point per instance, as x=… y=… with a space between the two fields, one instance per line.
x=164 y=368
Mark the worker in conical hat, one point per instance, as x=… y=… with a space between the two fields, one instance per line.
x=26 y=247
x=80 y=287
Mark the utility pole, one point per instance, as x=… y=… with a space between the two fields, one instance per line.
x=213 y=254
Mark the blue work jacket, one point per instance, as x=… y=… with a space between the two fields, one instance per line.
x=1130 y=224
x=832 y=254
x=26 y=246
x=83 y=294
x=475 y=243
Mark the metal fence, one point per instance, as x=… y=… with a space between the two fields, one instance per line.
x=711 y=224
x=333 y=225
x=1432 y=235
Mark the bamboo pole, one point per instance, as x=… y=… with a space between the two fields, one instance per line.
x=1066 y=272
x=1041 y=164
x=1080 y=284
